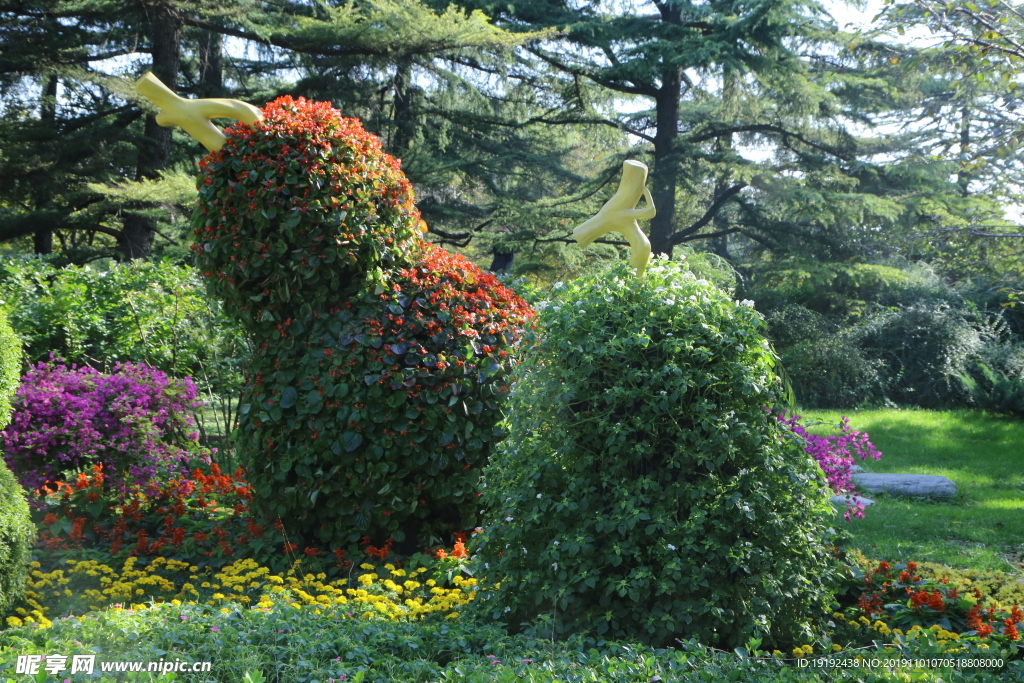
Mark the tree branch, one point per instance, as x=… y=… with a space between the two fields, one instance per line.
x=720 y=201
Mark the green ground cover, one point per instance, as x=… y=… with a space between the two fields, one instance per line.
x=293 y=633
x=983 y=527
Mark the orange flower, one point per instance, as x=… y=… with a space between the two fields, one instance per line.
x=49 y=519
x=459 y=550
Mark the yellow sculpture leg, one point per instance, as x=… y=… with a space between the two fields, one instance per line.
x=619 y=214
x=193 y=116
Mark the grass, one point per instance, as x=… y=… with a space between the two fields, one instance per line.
x=983 y=454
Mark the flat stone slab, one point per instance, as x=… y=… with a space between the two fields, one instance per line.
x=922 y=485
x=848 y=500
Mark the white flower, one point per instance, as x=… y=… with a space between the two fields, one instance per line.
x=508 y=519
x=487 y=565
x=554 y=565
x=747 y=302
x=539 y=495
x=671 y=547
x=508 y=609
x=556 y=543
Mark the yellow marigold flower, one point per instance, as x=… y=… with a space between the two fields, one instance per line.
x=218 y=596
x=176 y=602
x=453 y=615
x=204 y=584
x=368 y=567
x=836 y=647
x=934 y=628
x=14 y=622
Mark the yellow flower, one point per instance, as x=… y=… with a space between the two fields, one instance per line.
x=14 y=622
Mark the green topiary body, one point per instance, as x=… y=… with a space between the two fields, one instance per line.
x=17 y=533
x=644 y=490
x=379 y=361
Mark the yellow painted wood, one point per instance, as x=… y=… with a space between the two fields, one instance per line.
x=193 y=116
x=619 y=214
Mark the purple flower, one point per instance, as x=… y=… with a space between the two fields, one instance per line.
x=835 y=454
x=215 y=629
x=128 y=422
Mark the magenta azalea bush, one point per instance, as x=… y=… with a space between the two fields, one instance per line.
x=134 y=423
x=836 y=455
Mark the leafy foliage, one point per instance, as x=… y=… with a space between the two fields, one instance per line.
x=644 y=488
x=133 y=422
x=860 y=334
x=379 y=425
x=155 y=313
x=17 y=533
x=379 y=364
x=303 y=208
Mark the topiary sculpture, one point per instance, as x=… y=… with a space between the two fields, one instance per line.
x=17 y=533
x=644 y=490
x=379 y=361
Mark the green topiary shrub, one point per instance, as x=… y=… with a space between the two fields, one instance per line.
x=299 y=212
x=645 y=491
x=379 y=362
x=17 y=533
x=380 y=425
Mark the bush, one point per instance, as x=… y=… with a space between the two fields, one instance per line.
x=925 y=348
x=142 y=312
x=379 y=364
x=380 y=424
x=17 y=533
x=298 y=212
x=133 y=422
x=644 y=490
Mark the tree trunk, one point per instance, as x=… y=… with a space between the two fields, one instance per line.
x=665 y=173
x=42 y=239
x=963 y=178
x=155 y=148
x=501 y=261
x=211 y=65
x=404 y=125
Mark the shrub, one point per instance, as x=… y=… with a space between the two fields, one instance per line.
x=132 y=422
x=298 y=212
x=17 y=535
x=380 y=422
x=155 y=313
x=925 y=348
x=835 y=454
x=373 y=392
x=17 y=532
x=644 y=490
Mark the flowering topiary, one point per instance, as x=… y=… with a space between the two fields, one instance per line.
x=644 y=492
x=298 y=212
x=133 y=422
x=379 y=426
x=379 y=363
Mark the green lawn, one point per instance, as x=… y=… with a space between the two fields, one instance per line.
x=983 y=528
